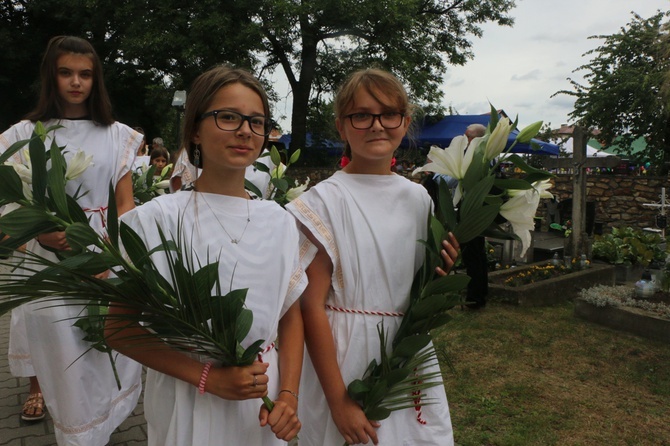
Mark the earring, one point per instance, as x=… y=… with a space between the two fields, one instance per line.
x=196 y=156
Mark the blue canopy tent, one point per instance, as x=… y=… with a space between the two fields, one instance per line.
x=442 y=132
x=331 y=147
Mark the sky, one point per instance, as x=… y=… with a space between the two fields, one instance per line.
x=519 y=68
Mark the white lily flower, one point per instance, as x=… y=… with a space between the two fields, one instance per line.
x=278 y=172
x=77 y=165
x=520 y=212
x=297 y=191
x=543 y=187
x=453 y=161
x=163 y=184
x=24 y=172
x=498 y=139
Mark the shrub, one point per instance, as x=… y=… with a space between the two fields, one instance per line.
x=628 y=246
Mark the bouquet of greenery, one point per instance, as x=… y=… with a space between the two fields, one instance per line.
x=396 y=381
x=148 y=185
x=180 y=308
x=282 y=188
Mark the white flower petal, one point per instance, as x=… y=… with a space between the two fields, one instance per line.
x=297 y=191
x=519 y=211
x=498 y=139
x=77 y=165
x=24 y=172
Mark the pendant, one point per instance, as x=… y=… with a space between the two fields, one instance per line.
x=234 y=241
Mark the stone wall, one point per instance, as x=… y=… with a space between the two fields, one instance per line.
x=618 y=198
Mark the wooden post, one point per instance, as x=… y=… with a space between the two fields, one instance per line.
x=578 y=190
x=579 y=163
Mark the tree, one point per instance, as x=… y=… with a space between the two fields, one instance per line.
x=150 y=48
x=624 y=98
x=317 y=43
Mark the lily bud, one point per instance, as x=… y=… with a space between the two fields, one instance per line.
x=166 y=170
x=278 y=172
x=498 y=139
x=529 y=132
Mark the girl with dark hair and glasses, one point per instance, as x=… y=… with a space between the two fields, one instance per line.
x=193 y=400
x=366 y=222
x=78 y=382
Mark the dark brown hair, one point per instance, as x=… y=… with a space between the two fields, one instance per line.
x=49 y=105
x=378 y=83
x=202 y=92
x=158 y=152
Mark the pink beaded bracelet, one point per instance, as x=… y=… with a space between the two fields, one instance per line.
x=203 y=378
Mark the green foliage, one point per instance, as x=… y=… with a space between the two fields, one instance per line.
x=628 y=246
x=393 y=382
x=186 y=309
x=151 y=48
x=624 y=96
x=146 y=185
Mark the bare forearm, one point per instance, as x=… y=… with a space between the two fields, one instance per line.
x=291 y=348
x=321 y=347
x=139 y=344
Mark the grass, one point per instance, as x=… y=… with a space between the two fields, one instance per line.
x=540 y=376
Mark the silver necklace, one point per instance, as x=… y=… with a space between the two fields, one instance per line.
x=234 y=241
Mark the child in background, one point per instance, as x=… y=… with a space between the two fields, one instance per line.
x=78 y=382
x=226 y=126
x=366 y=221
x=159 y=157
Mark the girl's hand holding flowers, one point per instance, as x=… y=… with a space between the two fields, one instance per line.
x=283 y=420
x=238 y=383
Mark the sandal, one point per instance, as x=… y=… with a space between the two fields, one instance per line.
x=33 y=408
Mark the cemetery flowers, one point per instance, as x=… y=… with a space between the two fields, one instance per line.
x=538 y=273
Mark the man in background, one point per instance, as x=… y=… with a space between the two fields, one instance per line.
x=474 y=252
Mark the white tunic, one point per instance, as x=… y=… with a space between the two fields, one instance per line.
x=369 y=226
x=80 y=392
x=267 y=261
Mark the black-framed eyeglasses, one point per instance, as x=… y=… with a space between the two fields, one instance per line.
x=364 y=121
x=230 y=121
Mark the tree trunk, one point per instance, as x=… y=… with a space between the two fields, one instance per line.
x=302 y=89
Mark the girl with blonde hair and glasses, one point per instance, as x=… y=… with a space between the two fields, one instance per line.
x=366 y=222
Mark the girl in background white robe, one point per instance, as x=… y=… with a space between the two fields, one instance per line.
x=365 y=221
x=78 y=385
